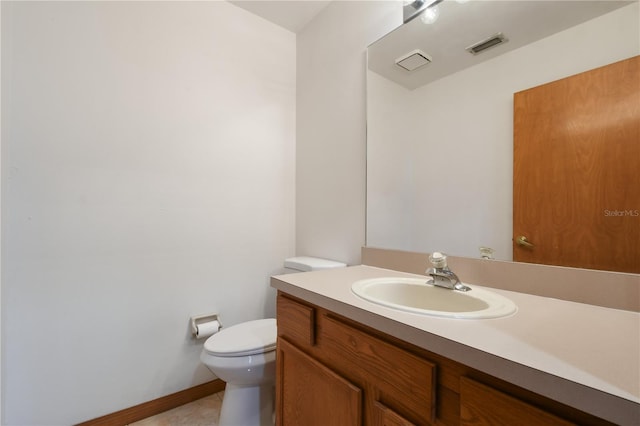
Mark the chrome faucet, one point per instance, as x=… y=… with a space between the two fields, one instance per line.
x=441 y=275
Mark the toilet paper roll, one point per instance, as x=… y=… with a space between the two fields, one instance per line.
x=207 y=329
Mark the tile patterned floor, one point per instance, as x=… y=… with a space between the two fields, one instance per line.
x=203 y=412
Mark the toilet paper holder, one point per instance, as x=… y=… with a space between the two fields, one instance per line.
x=201 y=319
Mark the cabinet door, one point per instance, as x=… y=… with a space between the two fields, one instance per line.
x=398 y=379
x=385 y=416
x=310 y=394
x=482 y=405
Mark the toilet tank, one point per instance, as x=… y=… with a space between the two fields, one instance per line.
x=306 y=264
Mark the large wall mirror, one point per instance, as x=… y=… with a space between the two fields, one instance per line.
x=440 y=137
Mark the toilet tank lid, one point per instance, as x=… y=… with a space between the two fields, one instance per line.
x=305 y=263
x=247 y=338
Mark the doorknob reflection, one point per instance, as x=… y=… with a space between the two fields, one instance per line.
x=522 y=241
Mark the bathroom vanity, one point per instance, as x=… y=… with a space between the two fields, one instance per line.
x=344 y=361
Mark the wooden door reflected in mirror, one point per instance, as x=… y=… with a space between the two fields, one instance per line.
x=576 y=177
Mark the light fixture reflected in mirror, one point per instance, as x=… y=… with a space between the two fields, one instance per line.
x=430 y=15
x=412 y=9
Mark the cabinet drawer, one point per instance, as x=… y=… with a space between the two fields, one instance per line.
x=401 y=381
x=296 y=321
x=483 y=405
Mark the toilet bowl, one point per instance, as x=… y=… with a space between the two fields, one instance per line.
x=244 y=356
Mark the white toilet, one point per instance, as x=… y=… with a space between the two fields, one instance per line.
x=244 y=356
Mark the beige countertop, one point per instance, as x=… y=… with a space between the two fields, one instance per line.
x=582 y=355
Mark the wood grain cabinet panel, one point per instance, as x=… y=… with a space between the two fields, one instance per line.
x=481 y=405
x=385 y=416
x=311 y=394
x=400 y=379
x=296 y=321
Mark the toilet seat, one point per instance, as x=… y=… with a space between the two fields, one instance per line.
x=247 y=338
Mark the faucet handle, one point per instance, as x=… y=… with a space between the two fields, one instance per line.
x=438 y=260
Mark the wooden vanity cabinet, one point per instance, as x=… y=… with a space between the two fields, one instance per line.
x=311 y=393
x=482 y=405
x=334 y=371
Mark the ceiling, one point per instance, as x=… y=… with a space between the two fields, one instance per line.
x=462 y=24
x=293 y=15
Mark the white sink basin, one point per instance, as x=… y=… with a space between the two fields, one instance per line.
x=414 y=295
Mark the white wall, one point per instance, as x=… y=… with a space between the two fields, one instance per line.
x=331 y=126
x=147 y=175
x=446 y=184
